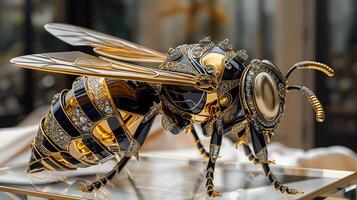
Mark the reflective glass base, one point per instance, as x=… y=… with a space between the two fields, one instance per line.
x=156 y=177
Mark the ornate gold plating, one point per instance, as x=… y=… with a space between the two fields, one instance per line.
x=266 y=96
x=315 y=66
x=214 y=62
x=262 y=94
x=320 y=113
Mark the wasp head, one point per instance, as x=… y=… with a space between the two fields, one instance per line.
x=263 y=93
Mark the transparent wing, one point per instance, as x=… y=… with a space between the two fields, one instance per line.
x=78 y=63
x=103 y=44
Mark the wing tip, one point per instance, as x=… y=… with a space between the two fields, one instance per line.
x=15 y=60
x=51 y=27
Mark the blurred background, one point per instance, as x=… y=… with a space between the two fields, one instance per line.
x=284 y=32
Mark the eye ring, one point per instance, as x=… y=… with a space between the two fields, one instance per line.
x=248 y=98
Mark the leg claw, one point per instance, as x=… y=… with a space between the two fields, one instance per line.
x=214 y=193
x=294 y=191
x=271 y=162
x=82 y=189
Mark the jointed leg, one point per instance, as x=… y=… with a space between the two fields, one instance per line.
x=109 y=176
x=199 y=145
x=138 y=139
x=261 y=154
x=215 y=145
x=251 y=156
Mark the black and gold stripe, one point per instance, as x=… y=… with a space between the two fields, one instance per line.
x=84 y=101
x=61 y=116
x=95 y=147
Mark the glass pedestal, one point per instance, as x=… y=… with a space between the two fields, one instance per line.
x=157 y=177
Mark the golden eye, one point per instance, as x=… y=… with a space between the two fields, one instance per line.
x=266 y=96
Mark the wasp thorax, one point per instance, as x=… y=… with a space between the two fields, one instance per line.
x=266 y=96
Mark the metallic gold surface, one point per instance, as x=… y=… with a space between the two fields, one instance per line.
x=315 y=66
x=61 y=160
x=214 y=60
x=314 y=101
x=207 y=111
x=78 y=63
x=266 y=96
x=41 y=194
x=197 y=66
x=104 y=135
x=127 y=55
x=123 y=91
x=83 y=149
x=79 y=151
x=224 y=100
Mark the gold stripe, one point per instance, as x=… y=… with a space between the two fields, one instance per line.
x=117 y=113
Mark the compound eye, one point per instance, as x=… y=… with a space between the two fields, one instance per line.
x=266 y=96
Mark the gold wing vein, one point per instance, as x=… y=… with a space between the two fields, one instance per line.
x=78 y=63
x=104 y=44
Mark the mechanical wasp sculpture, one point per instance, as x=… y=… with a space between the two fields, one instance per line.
x=196 y=87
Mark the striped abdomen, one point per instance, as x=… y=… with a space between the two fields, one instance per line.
x=83 y=126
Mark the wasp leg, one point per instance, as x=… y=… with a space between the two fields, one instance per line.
x=199 y=145
x=260 y=150
x=138 y=139
x=215 y=146
x=251 y=156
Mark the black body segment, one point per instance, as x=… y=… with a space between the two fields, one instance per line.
x=48 y=145
x=130 y=97
x=94 y=146
x=61 y=117
x=186 y=98
x=84 y=101
x=139 y=137
x=119 y=133
x=69 y=158
x=258 y=141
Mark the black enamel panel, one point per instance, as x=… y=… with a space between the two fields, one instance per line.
x=235 y=71
x=216 y=139
x=35 y=165
x=97 y=184
x=266 y=167
x=237 y=119
x=48 y=145
x=84 y=102
x=119 y=133
x=72 y=160
x=61 y=117
x=143 y=130
x=95 y=147
x=187 y=98
x=241 y=133
x=258 y=140
x=36 y=154
x=54 y=164
x=134 y=98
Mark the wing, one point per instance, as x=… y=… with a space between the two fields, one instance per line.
x=78 y=63
x=103 y=44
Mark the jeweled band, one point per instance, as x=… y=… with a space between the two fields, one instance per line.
x=81 y=95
